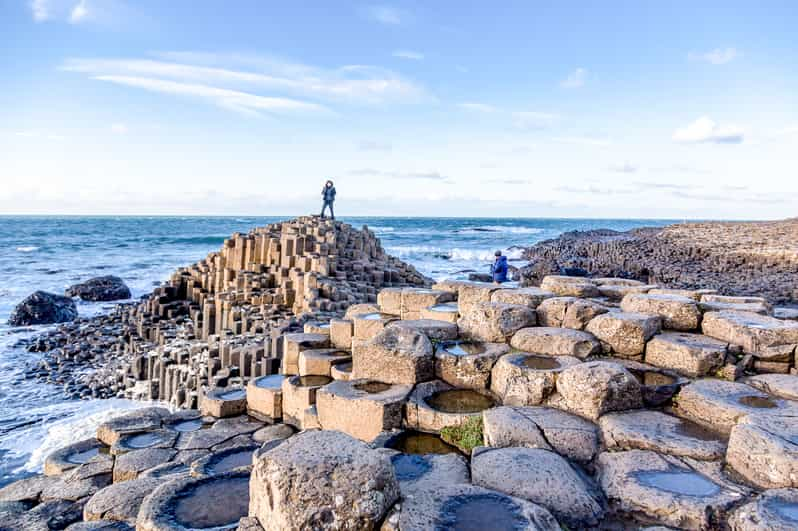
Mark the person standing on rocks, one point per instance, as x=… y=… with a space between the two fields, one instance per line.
x=328 y=195
x=499 y=268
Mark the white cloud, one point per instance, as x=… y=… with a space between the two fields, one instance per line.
x=575 y=79
x=408 y=54
x=582 y=140
x=383 y=14
x=79 y=12
x=718 y=56
x=428 y=176
x=706 y=130
x=533 y=119
x=351 y=83
x=40 y=9
x=119 y=128
x=479 y=107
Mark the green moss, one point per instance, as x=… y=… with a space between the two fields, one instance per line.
x=466 y=436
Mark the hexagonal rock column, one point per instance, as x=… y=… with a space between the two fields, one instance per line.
x=319 y=361
x=189 y=503
x=322 y=480
x=522 y=379
x=542 y=477
x=265 y=397
x=695 y=355
x=416 y=299
x=224 y=402
x=390 y=300
x=442 y=312
x=766 y=337
x=719 y=405
x=569 y=286
x=361 y=408
x=145 y=419
x=594 y=388
x=293 y=344
x=616 y=292
x=466 y=506
x=677 y=313
x=435 y=405
x=530 y=296
x=299 y=394
x=653 y=430
x=624 y=334
x=568 y=312
x=763 y=448
x=368 y=325
x=467 y=365
x=341 y=333
x=664 y=489
x=72 y=456
x=541 y=427
x=556 y=342
x=396 y=356
x=773 y=510
x=121 y=501
x=494 y=322
x=469 y=294
x=433 y=329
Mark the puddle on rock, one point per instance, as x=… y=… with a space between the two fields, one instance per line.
x=187 y=425
x=313 y=380
x=80 y=458
x=143 y=440
x=418 y=442
x=273 y=381
x=464 y=349
x=372 y=387
x=757 y=402
x=443 y=308
x=231 y=461
x=345 y=366
x=785 y=509
x=678 y=482
x=478 y=512
x=540 y=362
x=652 y=378
x=696 y=431
x=216 y=503
x=234 y=394
x=410 y=466
x=377 y=316
x=460 y=401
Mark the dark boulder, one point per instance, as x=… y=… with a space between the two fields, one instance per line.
x=107 y=288
x=43 y=308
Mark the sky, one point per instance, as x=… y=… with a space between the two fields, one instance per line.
x=633 y=109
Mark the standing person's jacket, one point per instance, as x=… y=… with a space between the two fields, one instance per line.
x=499 y=269
x=328 y=194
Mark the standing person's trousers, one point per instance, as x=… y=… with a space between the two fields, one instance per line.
x=323 y=208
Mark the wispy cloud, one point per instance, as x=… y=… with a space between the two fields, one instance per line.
x=383 y=14
x=429 y=176
x=409 y=54
x=479 y=107
x=705 y=130
x=575 y=79
x=79 y=12
x=718 y=56
x=373 y=145
x=533 y=119
x=119 y=128
x=40 y=10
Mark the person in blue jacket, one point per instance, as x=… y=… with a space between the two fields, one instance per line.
x=328 y=195
x=499 y=268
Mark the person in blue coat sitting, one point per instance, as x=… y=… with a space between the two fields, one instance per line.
x=499 y=268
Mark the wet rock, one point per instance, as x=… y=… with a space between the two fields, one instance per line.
x=129 y=465
x=467 y=364
x=63 y=489
x=494 y=321
x=120 y=501
x=522 y=379
x=691 y=354
x=141 y=420
x=542 y=477
x=418 y=474
x=272 y=433
x=541 y=427
x=71 y=456
x=435 y=405
x=780 y=385
x=677 y=313
x=322 y=480
x=773 y=510
x=556 y=342
x=594 y=388
x=666 y=490
x=624 y=334
x=54 y=514
x=763 y=448
x=223 y=430
x=234 y=458
x=28 y=490
x=43 y=308
x=653 y=430
x=138 y=441
x=105 y=288
x=396 y=356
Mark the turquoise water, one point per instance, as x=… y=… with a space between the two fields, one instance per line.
x=51 y=253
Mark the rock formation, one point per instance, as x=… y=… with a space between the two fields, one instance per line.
x=105 y=288
x=43 y=308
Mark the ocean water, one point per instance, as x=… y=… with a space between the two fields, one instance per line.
x=52 y=253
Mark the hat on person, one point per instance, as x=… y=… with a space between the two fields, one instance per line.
x=497 y=253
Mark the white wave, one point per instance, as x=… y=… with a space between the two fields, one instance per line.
x=501 y=228
x=377 y=228
x=27 y=249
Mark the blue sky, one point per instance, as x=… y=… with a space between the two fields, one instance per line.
x=518 y=108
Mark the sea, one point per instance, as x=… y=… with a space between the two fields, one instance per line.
x=52 y=253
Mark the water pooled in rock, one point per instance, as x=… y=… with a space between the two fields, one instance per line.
x=377 y=316
x=235 y=394
x=372 y=387
x=314 y=380
x=410 y=466
x=417 y=442
x=144 y=440
x=460 y=401
x=217 y=503
x=480 y=512
x=443 y=307
x=696 y=431
x=187 y=425
x=653 y=378
x=273 y=381
x=231 y=461
x=80 y=458
x=540 y=362
x=679 y=482
x=785 y=509
x=344 y=367
x=464 y=349
x=757 y=402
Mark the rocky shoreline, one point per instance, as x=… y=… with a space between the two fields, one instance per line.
x=358 y=397
x=742 y=258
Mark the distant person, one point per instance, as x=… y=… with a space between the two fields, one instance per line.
x=328 y=195
x=499 y=268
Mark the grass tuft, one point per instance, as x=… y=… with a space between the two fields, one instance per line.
x=466 y=436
